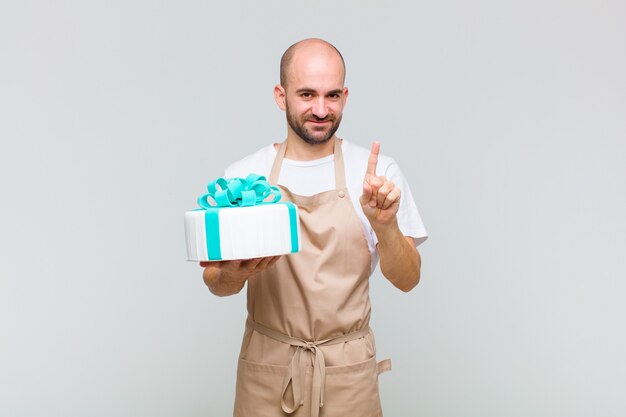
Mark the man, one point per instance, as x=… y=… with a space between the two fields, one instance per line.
x=307 y=348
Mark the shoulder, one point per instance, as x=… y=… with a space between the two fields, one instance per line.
x=259 y=162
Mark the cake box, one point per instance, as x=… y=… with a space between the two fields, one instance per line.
x=241 y=219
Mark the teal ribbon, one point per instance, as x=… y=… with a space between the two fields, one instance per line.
x=293 y=225
x=239 y=192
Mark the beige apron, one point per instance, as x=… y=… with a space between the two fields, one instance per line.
x=307 y=349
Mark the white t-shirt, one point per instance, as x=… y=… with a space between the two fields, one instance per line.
x=307 y=178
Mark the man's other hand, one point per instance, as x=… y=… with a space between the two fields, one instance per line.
x=228 y=277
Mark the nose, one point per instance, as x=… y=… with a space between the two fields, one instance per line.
x=319 y=108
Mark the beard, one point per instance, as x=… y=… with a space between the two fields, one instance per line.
x=315 y=136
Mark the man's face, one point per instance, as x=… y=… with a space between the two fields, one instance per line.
x=314 y=97
x=311 y=128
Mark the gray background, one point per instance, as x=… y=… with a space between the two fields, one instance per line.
x=508 y=118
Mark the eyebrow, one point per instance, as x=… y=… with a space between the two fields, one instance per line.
x=311 y=90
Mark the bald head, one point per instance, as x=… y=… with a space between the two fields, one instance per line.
x=306 y=49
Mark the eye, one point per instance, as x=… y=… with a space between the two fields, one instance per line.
x=306 y=95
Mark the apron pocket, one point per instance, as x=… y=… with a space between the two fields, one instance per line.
x=258 y=392
x=352 y=390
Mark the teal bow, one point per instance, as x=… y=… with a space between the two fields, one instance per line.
x=239 y=192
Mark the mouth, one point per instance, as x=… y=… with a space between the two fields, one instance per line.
x=319 y=122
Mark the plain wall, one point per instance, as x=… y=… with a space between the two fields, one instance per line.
x=507 y=117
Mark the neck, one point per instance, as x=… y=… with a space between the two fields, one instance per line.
x=299 y=150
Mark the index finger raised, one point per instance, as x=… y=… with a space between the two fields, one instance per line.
x=373 y=159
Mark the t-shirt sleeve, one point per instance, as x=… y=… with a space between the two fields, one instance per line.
x=259 y=163
x=409 y=219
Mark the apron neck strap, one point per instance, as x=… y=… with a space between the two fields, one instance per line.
x=278 y=161
x=340 y=172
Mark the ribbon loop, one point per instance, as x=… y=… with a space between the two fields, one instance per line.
x=239 y=192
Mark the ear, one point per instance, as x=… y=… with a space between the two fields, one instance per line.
x=279 y=96
x=345 y=95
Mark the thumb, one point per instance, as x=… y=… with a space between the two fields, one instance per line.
x=367 y=193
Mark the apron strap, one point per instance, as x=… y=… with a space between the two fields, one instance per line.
x=340 y=172
x=278 y=162
x=296 y=370
x=383 y=366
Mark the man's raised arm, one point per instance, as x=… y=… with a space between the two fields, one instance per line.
x=400 y=261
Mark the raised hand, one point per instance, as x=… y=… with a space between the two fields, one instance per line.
x=381 y=198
